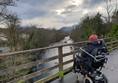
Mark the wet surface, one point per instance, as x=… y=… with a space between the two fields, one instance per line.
x=110 y=70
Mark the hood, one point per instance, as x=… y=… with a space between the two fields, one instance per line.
x=98 y=42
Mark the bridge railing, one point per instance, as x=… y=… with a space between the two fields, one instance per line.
x=21 y=66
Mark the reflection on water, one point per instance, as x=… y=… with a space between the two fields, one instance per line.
x=54 y=52
x=4 y=49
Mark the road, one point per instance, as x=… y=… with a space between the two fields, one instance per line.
x=110 y=70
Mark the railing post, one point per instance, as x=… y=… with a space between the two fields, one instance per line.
x=111 y=44
x=117 y=41
x=61 y=71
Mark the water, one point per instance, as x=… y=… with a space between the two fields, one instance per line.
x=4 y=49
x=111 y=68
x=54 y=52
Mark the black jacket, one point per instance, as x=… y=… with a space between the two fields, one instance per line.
x=90 y=47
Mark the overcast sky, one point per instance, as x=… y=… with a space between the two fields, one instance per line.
x=56 y=13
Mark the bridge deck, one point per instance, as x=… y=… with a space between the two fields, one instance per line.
x=110 y=70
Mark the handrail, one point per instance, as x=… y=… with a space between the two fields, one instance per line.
x=45 y=48
x=112 y=43
x=38 y=49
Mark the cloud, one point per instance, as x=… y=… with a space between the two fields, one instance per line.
x=47 y=22
x=91 y=3
x=56 y=13
x=71 y=7
x=76 y=2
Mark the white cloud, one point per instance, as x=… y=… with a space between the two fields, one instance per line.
x=76 y=2
x=45 y=22
x=2 y=26
x=85 y=12
x=57 y=13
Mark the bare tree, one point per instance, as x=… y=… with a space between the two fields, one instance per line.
x=7 y=2
x=13 y=37
x=3 y=8
x=115 y=15
x=11 y=21
x=109 y=9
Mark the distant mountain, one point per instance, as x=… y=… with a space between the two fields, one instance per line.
x=68 y=29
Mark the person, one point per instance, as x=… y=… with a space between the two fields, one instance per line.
x=92 y=47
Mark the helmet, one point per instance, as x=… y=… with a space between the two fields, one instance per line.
x=93 y=38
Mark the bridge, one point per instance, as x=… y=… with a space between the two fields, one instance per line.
x=25 y=66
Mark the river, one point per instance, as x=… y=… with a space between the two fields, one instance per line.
x=53 y=52
x=4 y=49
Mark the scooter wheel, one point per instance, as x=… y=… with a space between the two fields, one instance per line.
x=88 y=80
x=104 y=80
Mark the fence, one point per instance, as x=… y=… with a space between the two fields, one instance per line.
x=20 y=66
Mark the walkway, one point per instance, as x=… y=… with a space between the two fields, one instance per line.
x=110 y=70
